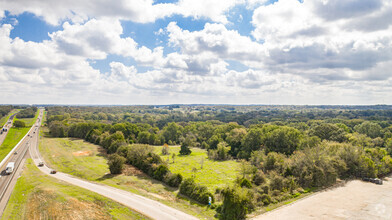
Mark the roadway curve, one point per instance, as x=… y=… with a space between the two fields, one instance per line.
x=147 y=207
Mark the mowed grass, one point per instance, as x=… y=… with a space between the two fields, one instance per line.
x=13 y=137
x=29 y=121
x=4 y=119
x=87 y=161
x=38 y=196
x=213 y=174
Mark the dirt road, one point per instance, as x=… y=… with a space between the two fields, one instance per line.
x=355 y=200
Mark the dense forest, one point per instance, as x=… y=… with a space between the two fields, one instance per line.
x=283 y=150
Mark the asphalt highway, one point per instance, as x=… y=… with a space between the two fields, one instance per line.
x=17 y=155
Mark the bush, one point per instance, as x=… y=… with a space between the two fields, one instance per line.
x=221 y=153
x=173 y=180
x=245 y=183
x=259 y=178
x=160 y=172
x=165 y=150
x=19 y=124
x=116 y=163
x=185 y=150
x=236 y=203
x=199 y=193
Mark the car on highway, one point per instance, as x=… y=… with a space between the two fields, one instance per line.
x=53 y=171
x=41 y=164
x=10 y=168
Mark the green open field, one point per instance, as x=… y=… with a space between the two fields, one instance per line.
x=38 y=196
x=29 y=121
x=4 y=119
x=87 y=161
x=214 y=174
x=13 y=137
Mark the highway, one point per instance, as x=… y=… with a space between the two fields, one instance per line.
x=16 y=155
x=7 y=126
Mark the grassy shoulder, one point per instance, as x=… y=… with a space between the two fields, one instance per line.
x=13 y=137
x=4 y=119
x=209 y=173
x=87 y=161
x=29 y=121
x=38 y=196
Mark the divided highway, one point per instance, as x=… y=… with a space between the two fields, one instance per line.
x=16 y=155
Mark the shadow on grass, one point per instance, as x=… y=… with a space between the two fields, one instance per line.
x=106 y=176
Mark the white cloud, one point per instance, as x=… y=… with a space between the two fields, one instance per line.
x=141 y=11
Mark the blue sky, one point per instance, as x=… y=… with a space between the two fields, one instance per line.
x=223 y=51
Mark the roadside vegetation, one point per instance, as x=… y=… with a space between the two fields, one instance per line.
x=276 y=153
x=13 y=137
x=27 y=116
x=4 y=118
x=38 y=196
x=90 y=162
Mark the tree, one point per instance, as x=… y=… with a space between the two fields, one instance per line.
x=251 y=142
x=371 y=129
x=234 y=139
x=143 y=137
x=57 y=129
x=19 y=124
x=331 y=132
x=283 y=140
x=185 y=150
x=116 y=163
x=173 y=156
x=172 y=132
x=165 y=150
x=236 y=203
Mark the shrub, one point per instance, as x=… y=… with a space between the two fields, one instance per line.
x=160 y=172
x=185 y=150
x=245 y=183
x=221 y=153
x=236 y=203
x=19 y=124
x=116 y=163
x=165 y=150
x=199 y=193
x=173 y=180
x=259 y=178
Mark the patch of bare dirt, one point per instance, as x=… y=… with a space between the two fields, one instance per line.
x=44 y=204
x=82 y=153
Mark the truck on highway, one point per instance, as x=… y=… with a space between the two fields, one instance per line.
x=9 y=168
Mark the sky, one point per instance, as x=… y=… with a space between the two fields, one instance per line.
x=150 y=52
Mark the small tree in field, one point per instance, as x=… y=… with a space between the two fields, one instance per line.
x=185 y=150
x=173 y=156
x=116 y=163
x=165 y=149
x=19 y=124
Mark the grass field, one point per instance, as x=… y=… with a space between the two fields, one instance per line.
x=214 y=174
x=38 y=196
x=84 y=160
x=4 y=119
x=29 y=121
x=13 y=137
